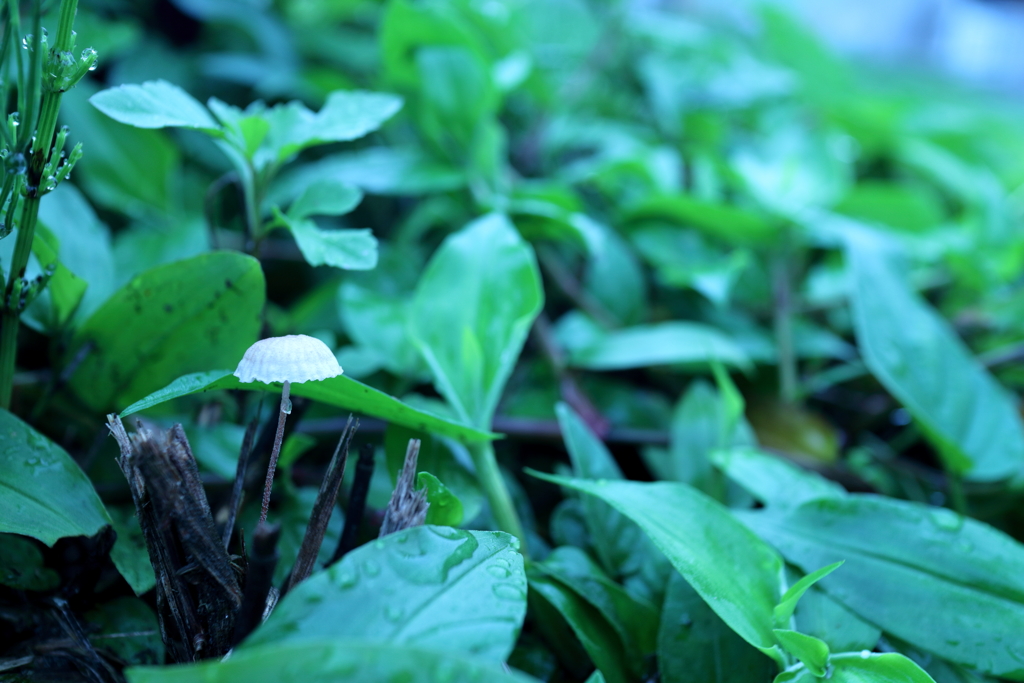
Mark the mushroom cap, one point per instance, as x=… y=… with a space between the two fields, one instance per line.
x=292 y=358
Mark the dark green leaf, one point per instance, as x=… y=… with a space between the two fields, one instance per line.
x=340 y=391
x=594 y=632
x=129 y=553
x=433 y=588
x=635 y=621
x=733 y=570
x=696 y=646
x=329 y=661
x=820 y=616
x=471 y=313
x=621 y=545
x=903 y=559
x=43 y=492
x=154 y=104
x=190 y=315
x=916 y=355
x=127 y=629
x=21 y=565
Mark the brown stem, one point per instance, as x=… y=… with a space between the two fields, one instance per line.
x=286 y=407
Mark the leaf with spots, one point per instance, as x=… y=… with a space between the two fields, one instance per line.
x=197 y=314
x=434 y=588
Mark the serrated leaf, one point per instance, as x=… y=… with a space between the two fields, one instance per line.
x=325 y=197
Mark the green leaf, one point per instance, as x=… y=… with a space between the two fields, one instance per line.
x=647 y=345
x=863 y=667
x=129 y=553
x=325 y=198
x=22 y=567
x=621 y=545
x=635 y=621
x=344 y=248
x=916 y=355
x=64 y=291
x=155 y=104
x=340 y=391
x=186 y=316
x=597 y=636
x=808 y=649
x=126 y=628
x=127 y=169
x=329 y=661
x=696 y=646
x=347 y=115
x=378 y=170
x=787 y=605
x=903 y=559
x=473 y=308
x=733 y=570
x=726 y=222
x=820 y=616
x=773 y=480
x=43 y=492
x=445 y=508
x=433 y=588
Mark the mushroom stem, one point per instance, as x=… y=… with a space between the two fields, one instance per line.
x=286 y=408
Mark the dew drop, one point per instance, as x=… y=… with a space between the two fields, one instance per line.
x=393 y=613
x=865 y=654
x=507 y=591
x=346 y=579
x=498 y=572
x=371 y=568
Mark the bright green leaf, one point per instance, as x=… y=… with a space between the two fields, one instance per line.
x=344 y=248
x=472 y=310
x=863 y=667
x=155 y=104
x=773 y=480
x=445 y=508
x=808 y=649
x=787 y=605
x=325 y=198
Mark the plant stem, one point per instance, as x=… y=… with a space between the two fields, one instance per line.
x=282 y=416
x=783 y=314
x=9 y=320
x=489 y=476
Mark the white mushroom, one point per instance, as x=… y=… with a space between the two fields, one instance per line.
x=293 y=358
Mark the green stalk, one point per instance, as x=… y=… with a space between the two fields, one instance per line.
x=489 y=476
x=783 y=320
x=10 y=319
